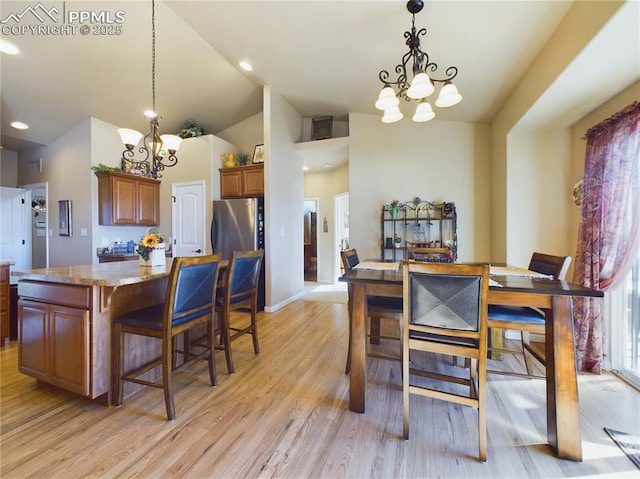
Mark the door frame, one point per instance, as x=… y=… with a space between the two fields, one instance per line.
x=337 y=200
x=36 y=186
x=315 y=200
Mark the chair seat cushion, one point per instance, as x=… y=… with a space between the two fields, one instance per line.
x=220 y=295
x=515 y=314
x=389 y=305
x=151 y=317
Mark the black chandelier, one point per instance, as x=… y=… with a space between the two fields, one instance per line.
x=421 y=86
x=159 y=150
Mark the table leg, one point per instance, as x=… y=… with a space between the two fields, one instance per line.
x=496 y=340
x=563 y=411
x=358 y=375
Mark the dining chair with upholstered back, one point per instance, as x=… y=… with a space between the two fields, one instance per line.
x=378 y=309
x=445 y=313
x=239 y=292
x=189 y=301
x=524 y=319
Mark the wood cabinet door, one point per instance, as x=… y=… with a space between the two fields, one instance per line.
x=124 y=201
x=148 y=204
x=69 y=348
x=253 y=182
x=230 y=184
x=127 y=199
x=32 y=339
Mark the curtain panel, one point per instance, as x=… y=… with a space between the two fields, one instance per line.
x=609 y=231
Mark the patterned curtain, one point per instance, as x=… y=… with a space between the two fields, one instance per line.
x=609 y=231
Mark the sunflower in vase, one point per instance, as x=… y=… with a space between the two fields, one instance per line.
x=148 y=243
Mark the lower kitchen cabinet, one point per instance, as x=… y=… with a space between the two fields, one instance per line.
x=54 y=340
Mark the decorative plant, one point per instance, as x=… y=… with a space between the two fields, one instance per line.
x=103 y=167
x=395 y=203
x=148 y=243
x=397 y=239
x=243 y=158
x=191 y=129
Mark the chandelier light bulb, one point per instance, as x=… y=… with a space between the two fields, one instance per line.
x=387 y=99
x=448 y=96
x=423 y=112
x=392 y=115
x=421 y=86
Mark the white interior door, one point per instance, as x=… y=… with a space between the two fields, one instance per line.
x=188 y=219
x=15 y=227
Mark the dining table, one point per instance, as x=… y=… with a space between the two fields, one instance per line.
x=555 y=297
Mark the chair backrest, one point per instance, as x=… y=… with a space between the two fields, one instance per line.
x=191 y=288
x=244 y=271
x=447 y=299
x=349 y=258
x=555 y=266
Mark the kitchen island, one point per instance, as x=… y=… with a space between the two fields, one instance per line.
x=65 y=319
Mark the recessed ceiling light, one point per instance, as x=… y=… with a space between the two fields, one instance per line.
x=305 y=168
x=327 y=165
x=18 y=125
x=8 y=48
x=246 y=66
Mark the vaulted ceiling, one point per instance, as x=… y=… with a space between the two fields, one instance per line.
x=322 y=56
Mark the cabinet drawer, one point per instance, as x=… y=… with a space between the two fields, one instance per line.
x=64 y=294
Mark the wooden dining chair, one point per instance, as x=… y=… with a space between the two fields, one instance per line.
x=378 y=309
x=189 y=302
x=239 y=292
x=445 y=313
x=524 y=319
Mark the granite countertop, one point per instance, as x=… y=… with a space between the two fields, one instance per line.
x=104 y=274
x=125 y=255
x=6 y=263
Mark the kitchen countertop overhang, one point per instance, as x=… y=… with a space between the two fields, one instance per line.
x=104 y=274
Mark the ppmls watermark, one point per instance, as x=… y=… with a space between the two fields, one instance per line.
x=57 y=20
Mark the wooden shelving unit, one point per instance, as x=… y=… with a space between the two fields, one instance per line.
x=420 y=230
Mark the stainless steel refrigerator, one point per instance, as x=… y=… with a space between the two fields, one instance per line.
x=238 y=225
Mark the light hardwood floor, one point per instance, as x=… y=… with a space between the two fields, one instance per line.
x=285 y=414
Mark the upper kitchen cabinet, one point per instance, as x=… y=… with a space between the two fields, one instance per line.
x=125 y=199
x=242 y=181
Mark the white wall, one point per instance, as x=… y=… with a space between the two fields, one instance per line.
x=578 y=28
x=66 y=167
x=283 y=202
x=437 y=161
x=246 y=134
x=325 y=186
x=538 y=188
x=8 y=168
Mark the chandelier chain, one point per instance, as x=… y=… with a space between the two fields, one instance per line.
x=159 y=151
x=153 y=54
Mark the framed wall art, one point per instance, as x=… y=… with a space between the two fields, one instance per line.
x=64 y=210
x=321 y=128
x=258 y=154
